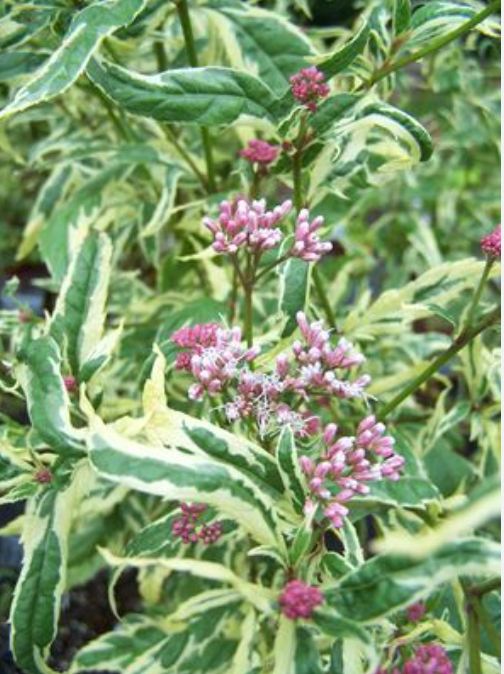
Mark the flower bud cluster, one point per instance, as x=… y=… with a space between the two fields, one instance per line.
x=346 y=466
x=308 y=87
x=215 y=366
x=491 y=244
x=427 y=659
x=194 y=339
x=416 y=611
x=188 y=528
x=307 y=245
x=299 y=600
x=260 y=152
x=247 y=225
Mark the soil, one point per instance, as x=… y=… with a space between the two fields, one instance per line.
x=85 y=616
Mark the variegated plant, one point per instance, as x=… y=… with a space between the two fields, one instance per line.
x=192 y=413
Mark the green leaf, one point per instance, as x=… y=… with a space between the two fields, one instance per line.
x=251 y=35
x=205 y=96
x=402 y=15
x=294 y=287
x=345 y=56
x=403 y=120
x=177 y=475
x=87 y=30
x=164 y=207
x=79 y=316
x=407 y=492
x=68 y=225
x=17 y=63
x=290 y=470
x=46 y=396
x=336 y=626
x=36 y=605
x=332 y=109
x=389 y=582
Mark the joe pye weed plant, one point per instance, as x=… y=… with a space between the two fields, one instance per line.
x=286 y=423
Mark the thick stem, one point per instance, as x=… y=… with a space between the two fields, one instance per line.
x=185 y=22
x=487 y=624
x=473 y=635
x=438 y=362
x=486 y=587
x=435 y=45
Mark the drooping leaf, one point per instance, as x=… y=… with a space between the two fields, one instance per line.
x=256 y=38
x=37 y=600
x=389 y=582
x=343 y=57
x=89 y=27
x=180 y=476
x=79 y=316
x=206 y=96
x=46 y=396
x=290 y=470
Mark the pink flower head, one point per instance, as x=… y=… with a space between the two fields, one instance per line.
x=260 y=152
x=43 y=476
x=188 y=528
x=491 y=244
x=247 y=225
x=299 y=600
x=70 y=384
x=416 y=612
x=347 y=464
x=429 y=659
x=194 y=339
x=215 y=366
x=308 y=87
x=307 y=245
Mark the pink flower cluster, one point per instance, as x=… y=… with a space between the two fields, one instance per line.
x=299 y=600
x=491 y=244
x=260 y=152
x=313 y=368
x=428 y=659
x=216 y=365
x=346 y=466
x=416 y=611
x=188 y=528
x=194 y=339
x=308 y=87
x=307 y=245
x=243 y=225
x=70 y=384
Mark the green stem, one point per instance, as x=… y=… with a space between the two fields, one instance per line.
x=489 y=627
x=186 y=157
x=185 y=22
x=443 y=358
x=473 y=635
x=249 y=318
x=477 y=295
x=486 y=587
x=435 y=45
x=297 y=170
x=271 y=266
x=324 y=300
